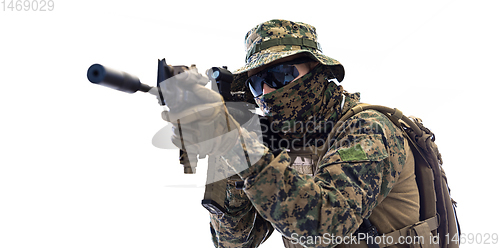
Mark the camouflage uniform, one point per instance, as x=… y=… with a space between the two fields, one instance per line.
x=365 y=169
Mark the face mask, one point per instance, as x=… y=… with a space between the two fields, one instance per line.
x=305 y=108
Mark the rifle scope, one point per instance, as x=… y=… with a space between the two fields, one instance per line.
x=114 y=79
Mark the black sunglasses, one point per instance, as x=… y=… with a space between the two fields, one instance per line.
x=275 y=77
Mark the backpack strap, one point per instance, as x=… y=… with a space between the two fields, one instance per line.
x=394 y=115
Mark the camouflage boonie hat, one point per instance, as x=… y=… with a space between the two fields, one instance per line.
x=276 y=39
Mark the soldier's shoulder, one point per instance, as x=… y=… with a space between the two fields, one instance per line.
x=369 y=122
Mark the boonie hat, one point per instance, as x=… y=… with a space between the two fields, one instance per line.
x=277 y=39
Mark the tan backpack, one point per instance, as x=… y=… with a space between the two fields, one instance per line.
x=437 y=208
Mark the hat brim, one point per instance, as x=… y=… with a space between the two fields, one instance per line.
x=266 y=57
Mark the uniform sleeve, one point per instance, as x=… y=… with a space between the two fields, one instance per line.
x=242 y=226
x=362 y=164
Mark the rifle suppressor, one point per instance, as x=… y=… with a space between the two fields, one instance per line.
x=114 y=79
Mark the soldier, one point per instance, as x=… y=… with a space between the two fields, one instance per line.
x=316 y=185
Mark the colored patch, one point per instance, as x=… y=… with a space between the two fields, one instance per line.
x=355 y=153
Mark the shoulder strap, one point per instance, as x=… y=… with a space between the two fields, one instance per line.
x=394 y=115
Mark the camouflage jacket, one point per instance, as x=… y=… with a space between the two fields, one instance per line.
x=363 y=164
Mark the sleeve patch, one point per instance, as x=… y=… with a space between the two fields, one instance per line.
x=355 y=153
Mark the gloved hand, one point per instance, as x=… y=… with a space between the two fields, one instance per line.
x=201 y=122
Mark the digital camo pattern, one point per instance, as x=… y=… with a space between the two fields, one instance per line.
x=306 y=108
x=361 y=167
x=242 y=226
x=278 y=29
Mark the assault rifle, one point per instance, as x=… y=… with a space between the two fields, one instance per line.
x=215 y=189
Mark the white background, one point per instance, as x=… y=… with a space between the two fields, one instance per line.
x=77 y=165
